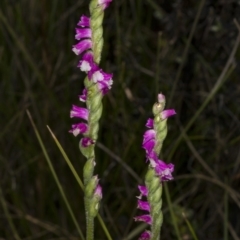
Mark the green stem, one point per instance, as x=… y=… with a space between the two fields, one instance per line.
x=154 y=187
x=94 y=105
x=97 y=15
x=90 y=222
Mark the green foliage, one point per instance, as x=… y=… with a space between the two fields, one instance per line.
x=145 y=45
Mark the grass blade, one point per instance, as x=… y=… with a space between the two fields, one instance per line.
x=190 y=227
x=174 y=221
x=6 y=212
x=77 y=178
x=55 y=176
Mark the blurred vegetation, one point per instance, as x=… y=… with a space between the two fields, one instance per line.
x=185 y=49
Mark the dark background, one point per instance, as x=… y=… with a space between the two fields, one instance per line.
x=184 y=49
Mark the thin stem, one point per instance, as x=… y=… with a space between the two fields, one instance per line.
x=225 y=225
x=90 y=227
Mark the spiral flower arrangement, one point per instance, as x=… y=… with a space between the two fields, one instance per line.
x=97 y=83
x=158 y=170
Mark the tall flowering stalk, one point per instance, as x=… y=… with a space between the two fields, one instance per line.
x=89 y=33
x=158 y=170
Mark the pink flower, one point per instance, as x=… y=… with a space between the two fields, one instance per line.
x=143 y=191
x=104 y=80
x=149 y=123
x=167 y=113
x=79 y=128
x=143 y=205
x=145 y=236
x=86 y=63
x=104 y=3
x=163 y=170
x=144 y=218
x=83 y=33
x=149 y=140
x=86 y=142
x=84 y=21
x=79 y=112
x=83 y=97
x=82 y=46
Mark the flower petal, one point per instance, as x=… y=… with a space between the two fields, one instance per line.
x=104 y=80
x=83 y=97
x=86 y=141
x=100 y=75
x=82 y=46
x=149 y=123
x=152 y=156
x=145 y=236
x=161 y=98
x=148 y=135
x=94 y=69
x=87 y=62
x=164 y=170
x=79 y=128
x=143 y=190
x=79 y=112
x=104 y=3
x=103 y=86
x=167 y=113
x=149 y=146
x=98 y=192
x=144 y=218
x=149 y=140
x=143 y=205
x=83 y=33
x=84 y=21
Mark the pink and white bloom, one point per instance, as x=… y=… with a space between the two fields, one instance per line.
x=82 y=46
x=83 y=97
x=104 y=3
x=86 y=63
x=144 y=218
x=100 y=75
x=96 y=74
x=79 y=112
x=104 y=80
x=104 y=87
x=162 y=169
x=86 y=142
x=79 y=128
x=145 y=236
